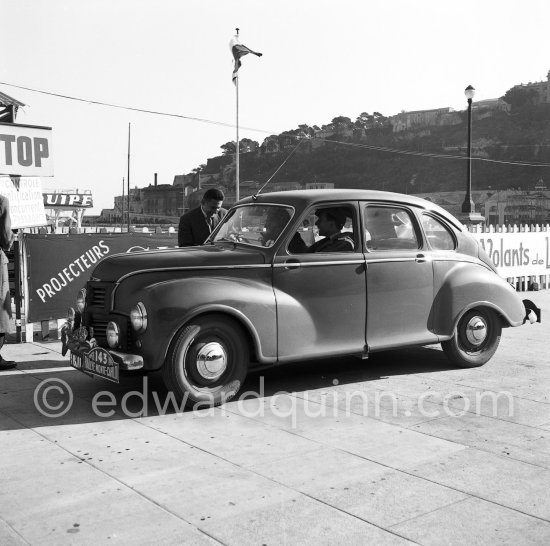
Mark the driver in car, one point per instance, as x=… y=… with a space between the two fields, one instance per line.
x=330 y=222
x=275 y=222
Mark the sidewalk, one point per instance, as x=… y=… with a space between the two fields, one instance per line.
x=398 y=449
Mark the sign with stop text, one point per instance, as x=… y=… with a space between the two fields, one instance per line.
x=25 y=150
x=25 y=197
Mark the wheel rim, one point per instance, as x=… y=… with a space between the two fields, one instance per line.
x=476 y=331
x=211 y=361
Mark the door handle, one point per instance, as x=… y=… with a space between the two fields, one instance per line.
x=420 y=258
x=293 y=263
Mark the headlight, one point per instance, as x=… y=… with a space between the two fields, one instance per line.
x=138 y=317
x=113 y=334
x=81 y=299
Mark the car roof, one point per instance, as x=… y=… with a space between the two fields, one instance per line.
x=305 y=198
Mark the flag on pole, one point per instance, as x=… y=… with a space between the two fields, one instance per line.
x=238 y=50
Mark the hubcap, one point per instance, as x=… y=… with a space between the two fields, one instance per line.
x=211 y=360
x=476 y=330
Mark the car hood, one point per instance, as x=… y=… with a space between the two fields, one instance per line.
x=113 y=268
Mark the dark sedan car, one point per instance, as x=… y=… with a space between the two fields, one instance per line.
x=290 y=276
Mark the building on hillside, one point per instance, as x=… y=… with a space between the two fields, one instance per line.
x=187 y=185
x=319 y=185
x=542 y=89
x=248 y=187
x=500 y=207
x=283 y=186
x=519 y=207
x=405 y=121
x=121 y=207
x=452 y=201
x=162 y=202
x=491 y=104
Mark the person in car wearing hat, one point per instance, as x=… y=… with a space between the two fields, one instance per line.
x=330 y=222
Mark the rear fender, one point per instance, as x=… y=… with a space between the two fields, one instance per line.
x=466 y=286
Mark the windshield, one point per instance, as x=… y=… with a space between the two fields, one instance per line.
x=258 y=225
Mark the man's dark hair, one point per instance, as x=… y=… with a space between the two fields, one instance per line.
x=337 y=214
x=213 y=194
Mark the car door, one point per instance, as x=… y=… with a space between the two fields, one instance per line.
x=400 y=283
x=321 y=297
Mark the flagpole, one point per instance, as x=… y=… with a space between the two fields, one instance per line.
x=237 y=182
x=129 y=177
x=238 y=50
x=122 y=207
x=237 y=148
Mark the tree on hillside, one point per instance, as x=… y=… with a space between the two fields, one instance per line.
x=379 y=119
x=364 y=120
x=341 y=122
x=306 y=131
x=229 y=148
x=247 y=145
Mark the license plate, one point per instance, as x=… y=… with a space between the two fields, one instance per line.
x=98 y=362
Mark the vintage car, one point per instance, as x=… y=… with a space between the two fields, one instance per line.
x=404 y=272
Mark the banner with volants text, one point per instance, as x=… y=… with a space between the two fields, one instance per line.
x=520 y=254
x=53 y=284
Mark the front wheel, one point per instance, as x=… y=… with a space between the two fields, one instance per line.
x=475 y=339
x=207 y=361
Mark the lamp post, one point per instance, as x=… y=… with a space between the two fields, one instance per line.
x=468 y=206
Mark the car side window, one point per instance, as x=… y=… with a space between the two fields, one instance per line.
x=389 y=228
x=437 y=233
x=327 y=228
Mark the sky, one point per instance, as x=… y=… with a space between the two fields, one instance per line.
x=321 y=59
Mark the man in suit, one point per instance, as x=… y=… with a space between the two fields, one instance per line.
x=330 y=221
x=197 y=224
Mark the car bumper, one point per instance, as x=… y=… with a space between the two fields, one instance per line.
x=87 y=357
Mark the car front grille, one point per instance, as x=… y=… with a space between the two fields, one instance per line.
x=98 y=296
x=96 y=316
x=100 y=329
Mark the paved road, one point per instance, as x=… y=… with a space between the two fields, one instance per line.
x=398 y=449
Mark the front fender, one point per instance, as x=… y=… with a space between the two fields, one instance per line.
x=468 y=285
x=171 y=304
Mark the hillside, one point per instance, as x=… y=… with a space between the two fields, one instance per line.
x=521 y=136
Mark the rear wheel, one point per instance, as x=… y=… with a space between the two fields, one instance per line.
x=207 y=361
x=475 y=339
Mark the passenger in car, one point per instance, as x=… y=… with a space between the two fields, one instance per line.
x=330 y=222
x=275 y=222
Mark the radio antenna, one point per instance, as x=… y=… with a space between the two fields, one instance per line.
x=255 y=196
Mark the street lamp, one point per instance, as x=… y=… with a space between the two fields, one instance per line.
x=468 y=206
